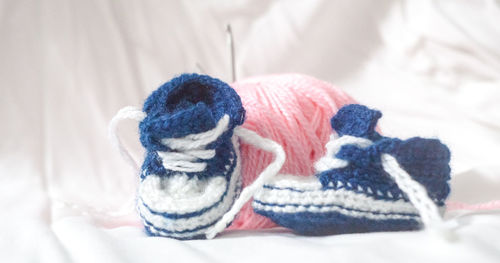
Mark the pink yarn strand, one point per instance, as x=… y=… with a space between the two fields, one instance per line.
x=491 y=205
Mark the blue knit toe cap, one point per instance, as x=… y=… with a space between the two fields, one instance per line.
x=426 y=160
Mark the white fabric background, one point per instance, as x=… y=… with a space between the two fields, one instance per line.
x=432 y=67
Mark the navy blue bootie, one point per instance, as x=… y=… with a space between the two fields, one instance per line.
x=353 y=191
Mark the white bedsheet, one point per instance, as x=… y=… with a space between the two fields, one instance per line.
x=66 y=67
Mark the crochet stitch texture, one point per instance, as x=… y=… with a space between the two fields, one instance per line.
x=360 y=196
x=191 y=173
x=189 y=104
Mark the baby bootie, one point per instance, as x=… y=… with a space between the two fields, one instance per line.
x=191 y=173
x=190 y=179
x=364 y=183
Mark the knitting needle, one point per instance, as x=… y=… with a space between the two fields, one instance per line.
x=230 y=44
x=199 y=68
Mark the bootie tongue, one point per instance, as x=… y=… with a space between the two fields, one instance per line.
x=356 y=120
x=194 y=119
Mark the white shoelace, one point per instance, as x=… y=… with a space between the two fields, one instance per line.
x=129 y=112
x=191 y=148
x=417 y=194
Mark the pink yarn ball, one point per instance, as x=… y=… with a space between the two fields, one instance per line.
x=293 y=110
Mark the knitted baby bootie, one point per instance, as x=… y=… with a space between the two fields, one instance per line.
x=364 y=183
x=190 y=179
x=191 y=174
